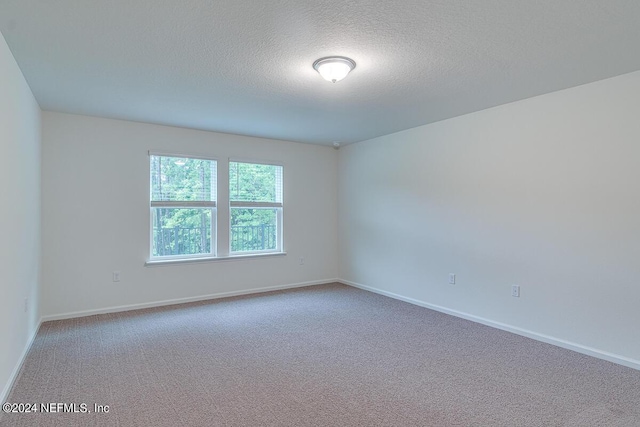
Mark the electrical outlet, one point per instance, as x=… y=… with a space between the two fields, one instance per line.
x=301 y=260
x=26 y=304
x=515 y=291
x=115 y=276
x=452 y=279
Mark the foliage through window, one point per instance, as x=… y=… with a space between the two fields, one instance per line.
x=255 y=199
x=183 y=206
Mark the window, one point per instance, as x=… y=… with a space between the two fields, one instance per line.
x=183 y=207
x=255 y=204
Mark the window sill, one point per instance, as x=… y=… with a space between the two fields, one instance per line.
x=165 y=262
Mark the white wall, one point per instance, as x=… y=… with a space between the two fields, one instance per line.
x=19 y=215
x=543 y=193
x=96 y=215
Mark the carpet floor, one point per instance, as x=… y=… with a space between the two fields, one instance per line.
x=328 y=355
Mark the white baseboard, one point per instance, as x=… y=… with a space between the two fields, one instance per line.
x=14 y=374
x=589 y=351
x=129 y=307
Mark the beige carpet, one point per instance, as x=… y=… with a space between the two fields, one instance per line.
x=326 y=355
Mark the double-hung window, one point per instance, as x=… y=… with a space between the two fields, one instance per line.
x=183 y=207
x=255 y=204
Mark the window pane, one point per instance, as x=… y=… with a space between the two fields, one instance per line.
x=250 y=182
x=182 y=179
x=181 y=231
x=253 y=229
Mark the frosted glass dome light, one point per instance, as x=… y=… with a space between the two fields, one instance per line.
x=334 y=68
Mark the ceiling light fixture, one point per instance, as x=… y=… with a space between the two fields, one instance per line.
x=334 y=68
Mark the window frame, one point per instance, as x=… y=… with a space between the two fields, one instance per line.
x=278 y=206
x=212 y=206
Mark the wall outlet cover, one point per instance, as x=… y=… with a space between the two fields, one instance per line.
x=515 y=291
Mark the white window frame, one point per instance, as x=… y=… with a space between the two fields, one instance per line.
x=278 y=206
x=211 y=205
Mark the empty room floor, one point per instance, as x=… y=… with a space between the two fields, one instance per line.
x=328 y=355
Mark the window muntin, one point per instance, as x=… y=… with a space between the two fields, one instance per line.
x=183 y=206
x=255 y=203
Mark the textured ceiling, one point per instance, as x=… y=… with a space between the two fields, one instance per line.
x=245 y=67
